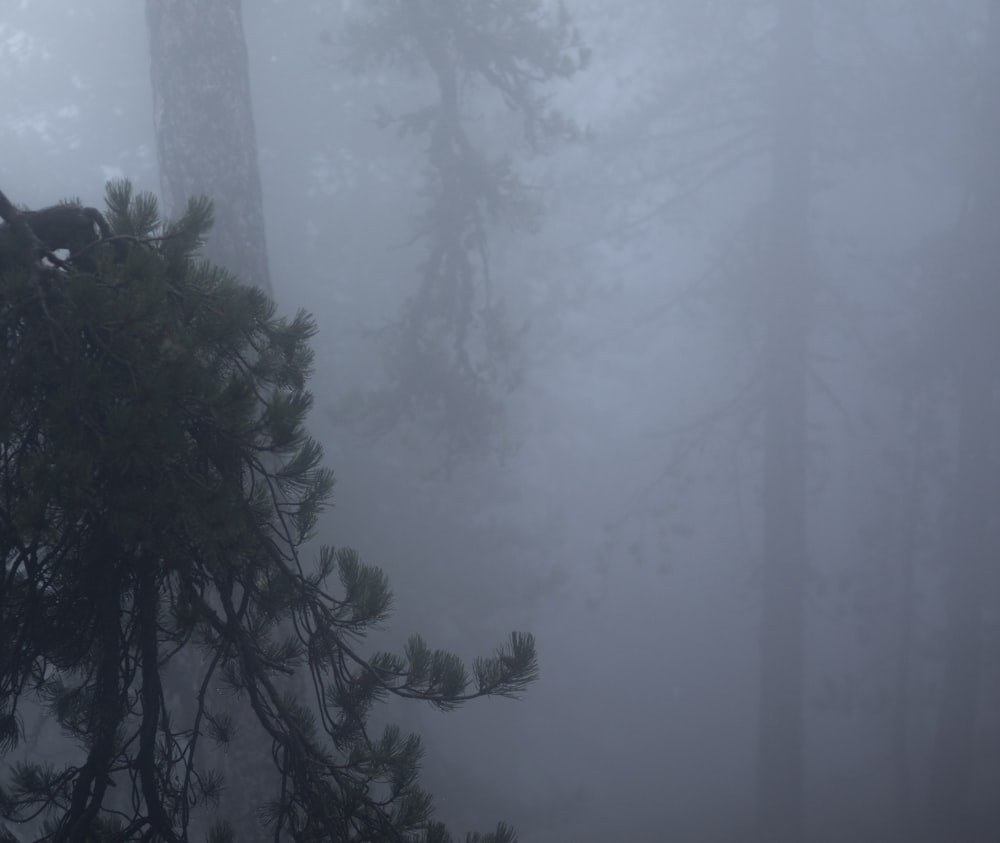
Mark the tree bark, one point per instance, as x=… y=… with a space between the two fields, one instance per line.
x=205 y=137
x=779 y=783
x=206 y=145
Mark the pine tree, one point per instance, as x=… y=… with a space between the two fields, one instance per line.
x=453 y=353
x=157 y=491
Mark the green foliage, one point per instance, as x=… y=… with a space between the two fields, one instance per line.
x=157 y=486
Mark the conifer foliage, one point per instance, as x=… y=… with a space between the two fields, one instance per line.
x=453 y=354
x=157 y=491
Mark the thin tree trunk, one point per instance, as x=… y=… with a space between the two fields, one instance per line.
x=780 y=737
x=205 y=137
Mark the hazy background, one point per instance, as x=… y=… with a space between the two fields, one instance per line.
x=623 y=528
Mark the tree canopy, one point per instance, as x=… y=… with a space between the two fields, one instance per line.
x=158 y=493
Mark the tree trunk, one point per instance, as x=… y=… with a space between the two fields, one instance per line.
x=974 y=546
x=787 y=290
x=206 y=145
x=204 y=125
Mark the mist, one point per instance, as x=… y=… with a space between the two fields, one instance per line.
x=713 y=412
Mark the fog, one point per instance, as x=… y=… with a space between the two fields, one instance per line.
x=615 y=485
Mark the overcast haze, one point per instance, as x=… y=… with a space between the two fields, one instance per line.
x=635 y=476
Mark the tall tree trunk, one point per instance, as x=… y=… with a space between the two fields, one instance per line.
x=204 y=125
x=787 y=291
x=974 y=547
x=206 y=145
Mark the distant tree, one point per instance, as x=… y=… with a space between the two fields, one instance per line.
x=942 y=69
x=452 y=354
x=970 y=316
x=786 y=300
x=736 y=97
x=203 y=116
x=157 y=488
